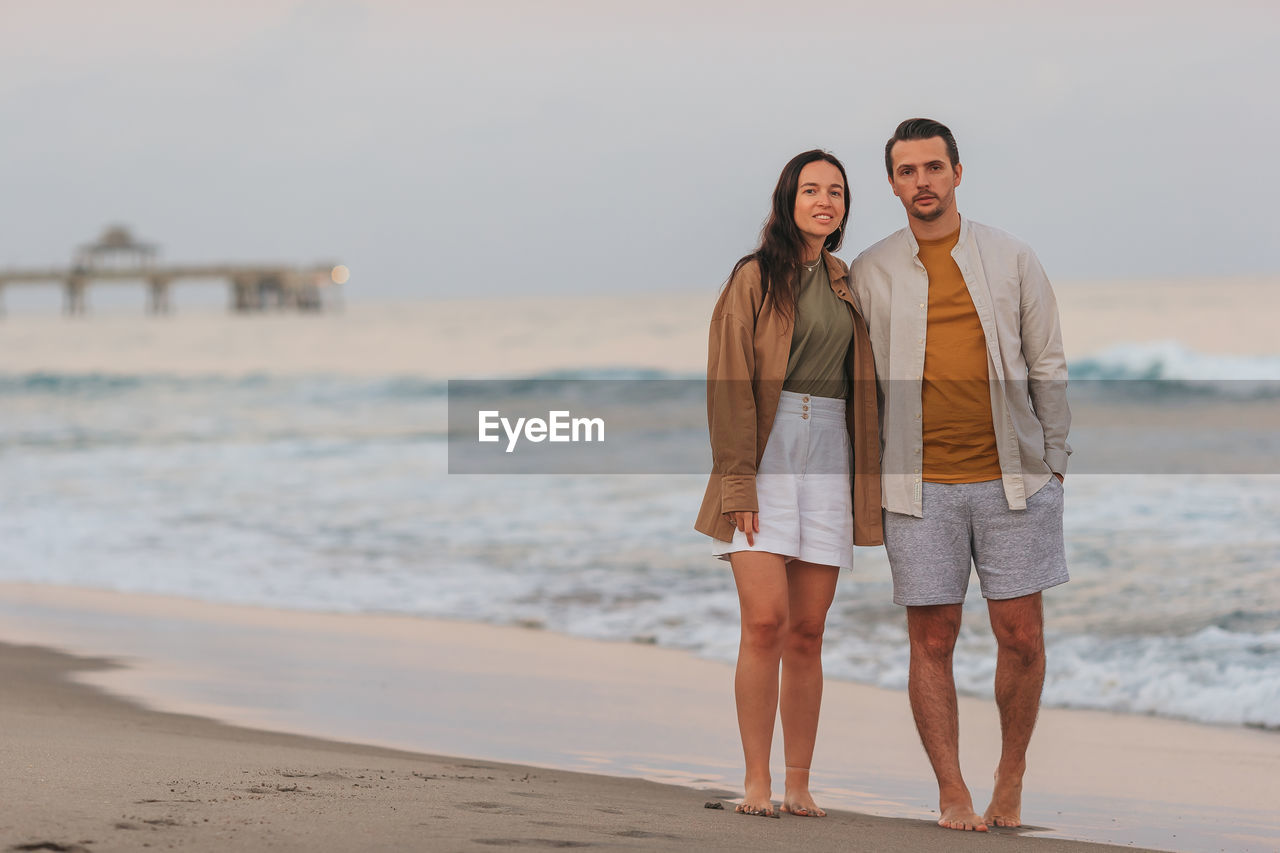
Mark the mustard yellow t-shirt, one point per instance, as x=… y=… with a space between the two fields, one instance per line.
x=959 y=435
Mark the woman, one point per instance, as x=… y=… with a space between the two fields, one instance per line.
x=790 y=389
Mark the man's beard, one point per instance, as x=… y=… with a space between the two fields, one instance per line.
x=936 y=213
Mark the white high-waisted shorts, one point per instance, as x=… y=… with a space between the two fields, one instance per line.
x=802 y=485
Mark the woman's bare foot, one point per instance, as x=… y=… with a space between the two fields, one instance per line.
x=797 y=800
x=801 y=806
x=957 y=811
x=758 y=799
x=1006 y=801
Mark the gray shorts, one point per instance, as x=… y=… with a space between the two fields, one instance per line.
x=1016 y=552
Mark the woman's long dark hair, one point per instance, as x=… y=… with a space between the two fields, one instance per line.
x=782 y=246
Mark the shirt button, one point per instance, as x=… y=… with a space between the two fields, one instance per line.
x=917 y=451
x=921 y=304
x=806 y=399
x=920 y=341
x=805 y=416
x=917 y=416
x=804 y=408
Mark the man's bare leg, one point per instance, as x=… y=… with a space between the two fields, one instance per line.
x=811 y=589
x=932 y=688
x=1018 y=625
x=762 y=597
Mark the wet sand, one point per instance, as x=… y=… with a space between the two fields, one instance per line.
x=85 y=771
x=81 y=765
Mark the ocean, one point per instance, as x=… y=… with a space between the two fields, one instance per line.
x=304 y=463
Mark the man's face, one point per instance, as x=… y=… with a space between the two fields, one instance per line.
x=923 y=178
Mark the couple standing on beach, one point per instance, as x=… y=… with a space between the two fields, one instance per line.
x=916 y=400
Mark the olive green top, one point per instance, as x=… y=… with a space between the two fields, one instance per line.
x=820 y=341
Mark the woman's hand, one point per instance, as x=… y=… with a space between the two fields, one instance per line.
x=747 y=522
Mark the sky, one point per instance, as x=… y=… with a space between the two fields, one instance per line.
x=497 y=147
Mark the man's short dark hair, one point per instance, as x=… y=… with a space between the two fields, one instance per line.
x=921 y=128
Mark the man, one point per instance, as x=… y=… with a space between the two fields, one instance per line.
x=969 y=363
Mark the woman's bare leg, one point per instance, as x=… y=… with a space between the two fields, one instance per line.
x=811 y=589
x=762 y=597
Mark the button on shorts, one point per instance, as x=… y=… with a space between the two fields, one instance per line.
x=802 y=486
x=1016 y=552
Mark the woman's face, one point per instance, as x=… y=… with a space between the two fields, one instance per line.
x=820 y=201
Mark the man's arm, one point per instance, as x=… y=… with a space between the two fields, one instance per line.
x=1046 y=362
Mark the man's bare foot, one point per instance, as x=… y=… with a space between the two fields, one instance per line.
x=797 y=800
x=758 y=800
x=957 y=812
x=962 y=817
x=1006 y=801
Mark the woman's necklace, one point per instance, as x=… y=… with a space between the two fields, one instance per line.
x=813 y=266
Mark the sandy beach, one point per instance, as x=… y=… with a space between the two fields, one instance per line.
x=116 y=747
x=84 y=771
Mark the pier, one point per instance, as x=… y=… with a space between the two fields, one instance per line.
x=117 y=257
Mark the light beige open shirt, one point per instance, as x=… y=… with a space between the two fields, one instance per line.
x=1025 y=362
